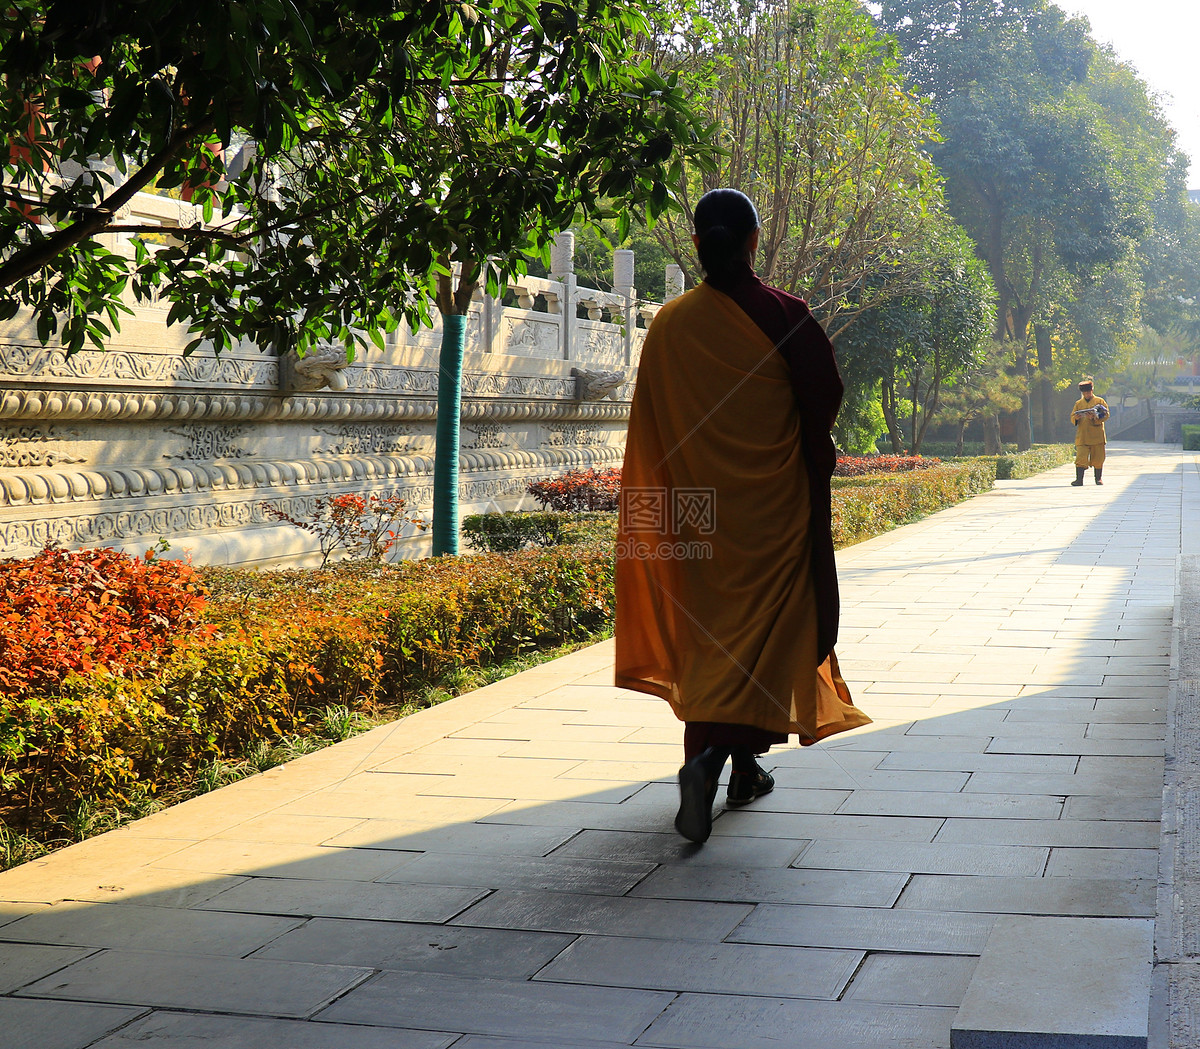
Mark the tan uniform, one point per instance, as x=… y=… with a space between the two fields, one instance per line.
x=1089 y=434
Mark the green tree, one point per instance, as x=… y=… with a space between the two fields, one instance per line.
x=1052 y=152
x=817 y=129
x=917 y=342
x=403 y=153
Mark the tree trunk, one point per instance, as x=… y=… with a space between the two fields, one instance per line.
x=1024 y=417
x=453 y=305
x=991 y=434
x=449 y=411
x=1041 y=339
x=887 y=401
x=962 y=434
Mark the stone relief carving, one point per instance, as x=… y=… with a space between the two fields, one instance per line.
x=20 y=362
x=489 y=435
x=210 y=442
x=26 y=446
x=595 y=386
x=566 y=436
x=359 y=439
x=531 y=338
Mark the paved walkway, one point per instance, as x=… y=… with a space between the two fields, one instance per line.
x=501 y=871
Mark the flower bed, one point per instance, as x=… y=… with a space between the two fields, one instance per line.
x=860 y=465
x=272 y=654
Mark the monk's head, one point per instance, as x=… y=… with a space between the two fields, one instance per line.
x=726 y=230
x=1085 y=389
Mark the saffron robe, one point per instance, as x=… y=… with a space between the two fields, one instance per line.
x=718 y=609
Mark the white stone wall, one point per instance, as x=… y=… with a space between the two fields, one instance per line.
x=122 y=447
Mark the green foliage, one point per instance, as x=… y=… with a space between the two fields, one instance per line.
x=1018 y=465
x=868 y=506
x=383 y=142
x=514 y=530
x=930 y=329
x=288 y=660
x=517 y=529
x=817 y=129
x=1191 y=437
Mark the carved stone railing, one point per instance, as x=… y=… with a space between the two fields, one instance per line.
x=135 y=443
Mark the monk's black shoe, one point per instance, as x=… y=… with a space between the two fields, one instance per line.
x=697 y=788
x=744 y=787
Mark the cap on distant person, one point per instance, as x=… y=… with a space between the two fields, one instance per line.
x=1085 y=383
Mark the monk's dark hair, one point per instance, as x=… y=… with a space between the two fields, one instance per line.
x=724 y=219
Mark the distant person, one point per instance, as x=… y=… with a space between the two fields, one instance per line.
x=727 y=600
x=1088 y=415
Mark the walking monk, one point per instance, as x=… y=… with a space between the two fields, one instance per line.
x=727 y=600
x=1088 y=415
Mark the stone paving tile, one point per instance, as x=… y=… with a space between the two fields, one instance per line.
x=166 y=1030
x=58 y=1025
x=310 y=898
x=624 y=771
x=1089 y=807
x=912 y=979
x=819 y=756
x=931 y=803
x=864 y=779
x=1036 y=745
x=1085 y=897
x=458 y=838
x=1119 y=781
x=1109 y=834
x=22 y=963
x=320 y=862
x=111 y=883
x=892 y=741
x=1044 y=764
x=633 y=816
x=866 y=928
x=1127 y=731
x=671 y=848
x=492 y=785
x=474 y=1041
x=557 y=1012
x=132 y=927
x=835 y=888
x=1103 y=862
x=289 y=830
x=604 y=915
x=925 y=858
x=749 y=823
x=724 y=1022
x=555 y=874
x=719 y=968
x=583 y=751
x=499 y=953
x=397 y=806
x=203 y=982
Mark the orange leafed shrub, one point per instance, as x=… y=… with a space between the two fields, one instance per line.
x=62 y=613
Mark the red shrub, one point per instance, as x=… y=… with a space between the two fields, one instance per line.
x=578 y=490
x=62 y=612
x=857 y=465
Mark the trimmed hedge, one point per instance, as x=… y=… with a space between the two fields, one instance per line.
x=868 y=506
x=1191 y=437
x=1016 y=466
x=516 y=529
x=273 y=652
